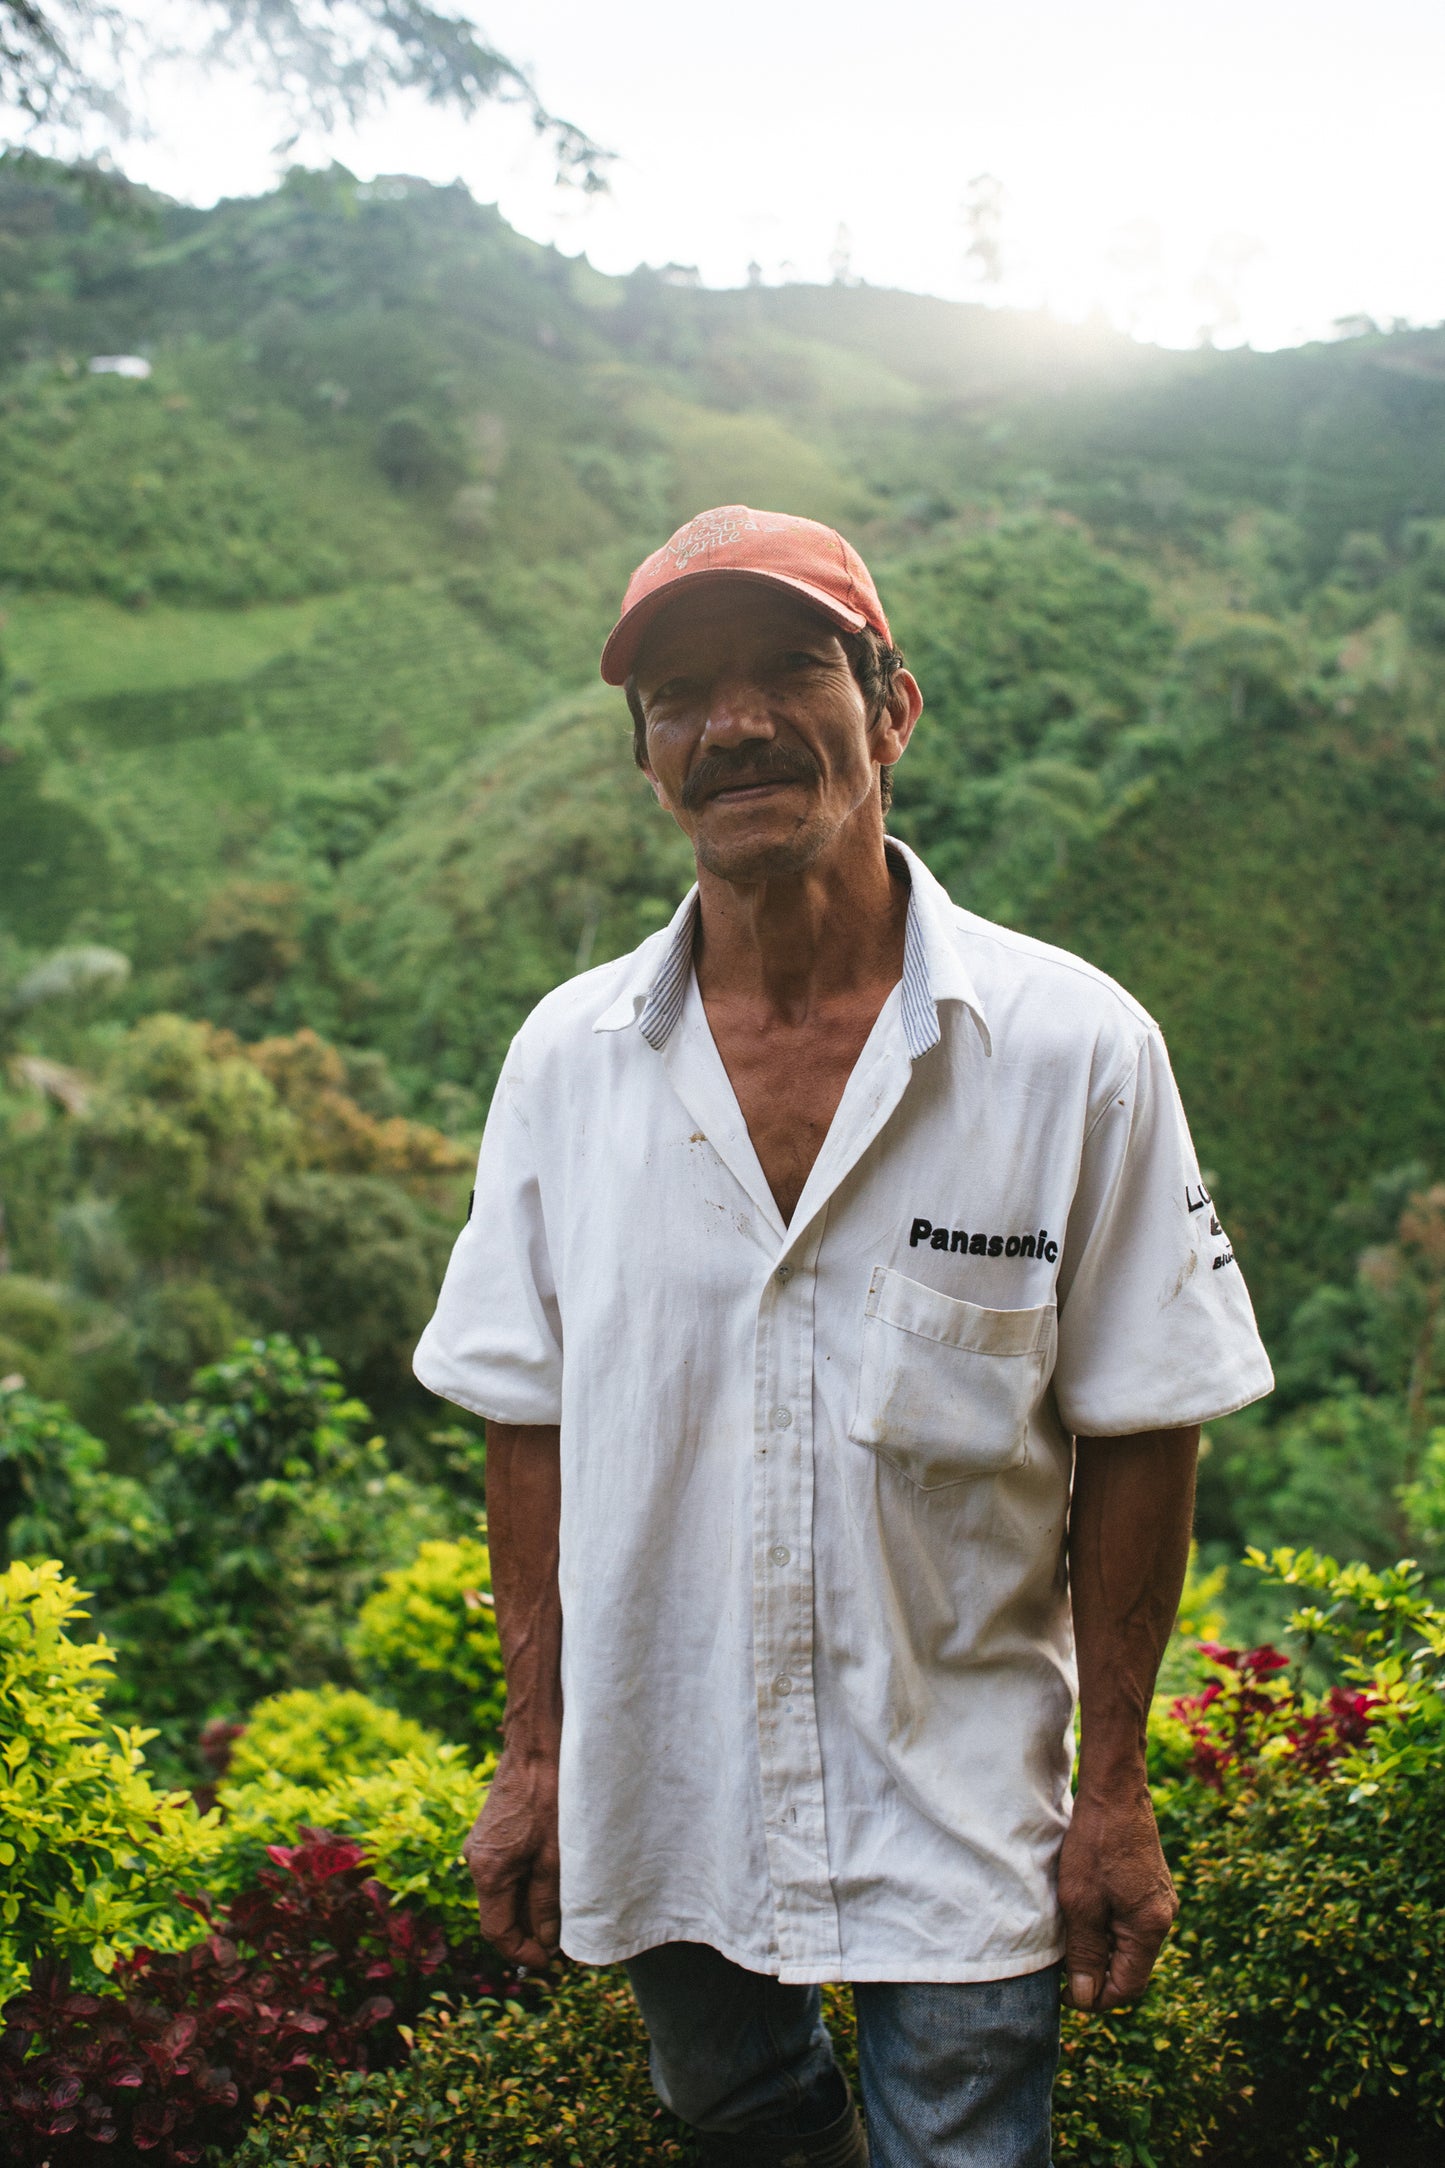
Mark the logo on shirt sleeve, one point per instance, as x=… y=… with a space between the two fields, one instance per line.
x=1198 y=1199
x=959 y=1240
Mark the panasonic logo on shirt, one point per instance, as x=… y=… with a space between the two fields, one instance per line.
x=958 y=1238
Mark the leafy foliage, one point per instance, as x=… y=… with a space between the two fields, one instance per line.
x=570 y=2084
x=282 y=1513
x=186 y=1135
x=319 y=1736
x=1155 y=2083
x=236 y=1566
x=60 y=1498
x=215 y=1183
x=1424 y=1499
x=412 y=1817
x=310 y=1968
x=1252 y=865
x=95 y=1858
x=1311 y=1860
x=1037 y=654
x=1341 y=1458
x=428 y=1637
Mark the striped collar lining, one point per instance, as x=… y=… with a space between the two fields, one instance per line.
x=664 y=1002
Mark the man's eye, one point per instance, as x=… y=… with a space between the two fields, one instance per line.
x=798 y=659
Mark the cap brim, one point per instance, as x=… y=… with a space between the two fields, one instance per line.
x=627 y=635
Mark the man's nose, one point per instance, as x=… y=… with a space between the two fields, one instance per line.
x=737 y=710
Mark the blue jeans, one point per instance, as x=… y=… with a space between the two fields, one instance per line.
x=955 y=2076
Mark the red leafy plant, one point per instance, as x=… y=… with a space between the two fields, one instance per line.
x=312 y=1966
x=1249 y=1714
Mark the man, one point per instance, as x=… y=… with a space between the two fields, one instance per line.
x=844 y=1301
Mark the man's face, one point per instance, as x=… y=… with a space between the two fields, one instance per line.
x=758 y=736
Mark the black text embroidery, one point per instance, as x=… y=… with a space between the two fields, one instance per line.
x=972 y=1245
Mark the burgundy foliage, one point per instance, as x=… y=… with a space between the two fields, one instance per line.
x=313 y=1966
x=1230 y=1720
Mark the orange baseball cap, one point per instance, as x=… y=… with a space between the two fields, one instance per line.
x=733 y=542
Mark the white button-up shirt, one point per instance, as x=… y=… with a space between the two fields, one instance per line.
x=818 y=1667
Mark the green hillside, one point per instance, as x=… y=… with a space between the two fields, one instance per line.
x=303 y=719
x=1302 y=987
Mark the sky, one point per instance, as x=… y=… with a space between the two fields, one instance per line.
x=1252 y=173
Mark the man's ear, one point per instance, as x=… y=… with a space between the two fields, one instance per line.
x=900 y=711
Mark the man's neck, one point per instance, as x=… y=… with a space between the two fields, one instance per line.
x=787 y=945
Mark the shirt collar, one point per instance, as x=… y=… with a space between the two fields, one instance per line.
x=933 y=968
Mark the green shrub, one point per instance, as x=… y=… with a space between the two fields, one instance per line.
x=569 y=2084
x=1148 y=2086
x=429 y=1636
x=1314 y=1885
x=59 y=1498
x=237 y=1566
x=95 y=1859
x=412 y=1816
x=323 y=1735
x=1316 y=1914
x=566 y=2085
x=282 y=1514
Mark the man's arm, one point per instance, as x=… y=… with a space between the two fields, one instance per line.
x=512 y=1848
x=1129 y=1528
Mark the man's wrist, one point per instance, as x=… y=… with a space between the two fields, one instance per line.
x=532 y=1745
x=1113 y=1759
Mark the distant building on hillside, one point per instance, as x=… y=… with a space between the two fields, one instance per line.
x=119 y=365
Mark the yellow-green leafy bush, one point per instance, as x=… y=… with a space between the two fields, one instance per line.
x=93 y=1858
x=411 y=1816
x=428 y=1638
x=322 y=1736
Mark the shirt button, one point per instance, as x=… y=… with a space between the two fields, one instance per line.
x=783 y=1274
x=780 y=1554
x=782 y=1684
x=782 y=1418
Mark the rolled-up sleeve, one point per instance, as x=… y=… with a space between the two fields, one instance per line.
x=1156 y=1329
x=494 y=1344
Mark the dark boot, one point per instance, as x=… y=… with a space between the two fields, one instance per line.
x=841 y=2145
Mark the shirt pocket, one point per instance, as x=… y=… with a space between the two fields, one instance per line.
x=946 y=1388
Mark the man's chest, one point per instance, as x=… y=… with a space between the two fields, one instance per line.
x=657 y=1199
x=789 y=1081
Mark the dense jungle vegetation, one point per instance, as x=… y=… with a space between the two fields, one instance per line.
x=308 y=791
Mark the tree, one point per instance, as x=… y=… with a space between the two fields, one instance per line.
x=66 y=64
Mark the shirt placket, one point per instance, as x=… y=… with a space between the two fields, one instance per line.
x=804 y=1909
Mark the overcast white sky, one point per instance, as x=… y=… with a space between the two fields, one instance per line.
x=1170 y=162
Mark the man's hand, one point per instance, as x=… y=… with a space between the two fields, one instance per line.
x=513 y=1857
x=1117 y=1898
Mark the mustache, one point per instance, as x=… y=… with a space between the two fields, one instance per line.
x=762 y=763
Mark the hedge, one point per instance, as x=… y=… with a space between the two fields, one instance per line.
x=567 y=2086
